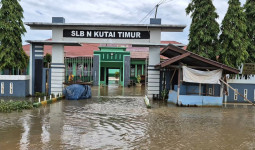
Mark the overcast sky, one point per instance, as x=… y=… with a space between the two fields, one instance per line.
x=111 y=11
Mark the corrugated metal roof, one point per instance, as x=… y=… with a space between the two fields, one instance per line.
x=193 y=59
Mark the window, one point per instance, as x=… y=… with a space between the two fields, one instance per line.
x=139 y=69
x=11 y=88
x=2 y=87
x=235 y=94
x=132 y=71
x=210 y=91
x=245 y=93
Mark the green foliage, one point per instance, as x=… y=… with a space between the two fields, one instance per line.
x=48 y=58
x=233 y=39
x=138 y=79
x=117 y=75
x=164 y=94
x=204 y=29
x=11 y=30
x=38 y=94
x=9 y=106
x=250 y=23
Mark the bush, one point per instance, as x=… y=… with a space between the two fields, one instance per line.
x=138 y=79
x=117 y=75
x=38 y=94
x=9 y=106
x=164 y=94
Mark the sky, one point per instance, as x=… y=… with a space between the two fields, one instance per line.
x=112 y=11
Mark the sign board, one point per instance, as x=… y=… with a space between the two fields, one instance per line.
x=108 y=34
x=249 y=68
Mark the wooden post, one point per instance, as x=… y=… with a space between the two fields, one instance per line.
x=164 y=79
x=172 y=79
x=199 y=89
x=213 y=90
x=221 y=89
x=179 y=85
x=206 y=92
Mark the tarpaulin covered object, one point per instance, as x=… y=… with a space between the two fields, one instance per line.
x=197 y=76
x=76 y=92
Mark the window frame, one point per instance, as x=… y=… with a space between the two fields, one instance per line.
x=236 y=95
x=210 y=92
x=245 y=93
x=11 y=88
x=2 y=87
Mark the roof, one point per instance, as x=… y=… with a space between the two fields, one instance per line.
x=87 y=49
x=66 y=43
x=148 y=44
x=176 y=55
x=163 y=27
x=70 y=51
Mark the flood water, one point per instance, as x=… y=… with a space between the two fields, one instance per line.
x=116 y=118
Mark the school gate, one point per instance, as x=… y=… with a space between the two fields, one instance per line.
x=72 y=34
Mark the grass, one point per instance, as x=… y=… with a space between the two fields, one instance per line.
x=9 y=106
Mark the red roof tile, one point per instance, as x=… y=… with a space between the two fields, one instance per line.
x=87 y=49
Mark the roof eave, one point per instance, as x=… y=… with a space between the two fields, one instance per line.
x=66 y=43
x=226 y=68
x=163 y=27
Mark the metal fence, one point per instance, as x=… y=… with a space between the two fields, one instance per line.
x=78 y=69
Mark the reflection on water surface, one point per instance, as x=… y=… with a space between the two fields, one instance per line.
x=111 y=121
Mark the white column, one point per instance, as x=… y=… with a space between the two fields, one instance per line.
x=154 y=59
x=57 y=69
x=57 y=64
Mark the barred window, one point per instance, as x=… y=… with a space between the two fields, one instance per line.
x=11 y=88
x=2 y=87
x=235 y=95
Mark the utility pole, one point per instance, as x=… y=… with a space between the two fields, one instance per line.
x=156 y=11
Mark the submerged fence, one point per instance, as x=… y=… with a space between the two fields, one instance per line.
x=78 y=69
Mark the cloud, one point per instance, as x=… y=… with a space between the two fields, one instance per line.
x=111 y=11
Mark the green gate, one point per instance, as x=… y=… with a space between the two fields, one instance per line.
x=111 y=58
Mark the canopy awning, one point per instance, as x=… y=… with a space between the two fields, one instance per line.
x=178 y=55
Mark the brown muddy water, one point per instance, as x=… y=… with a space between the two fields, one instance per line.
x=116 y=118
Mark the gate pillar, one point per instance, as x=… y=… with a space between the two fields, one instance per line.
x=126 y=72
x=36 y=68
x=57 y=69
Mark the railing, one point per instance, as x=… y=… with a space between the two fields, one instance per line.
x=14 y=71
x=112 y=56
x=78 y=69
x=240 y=78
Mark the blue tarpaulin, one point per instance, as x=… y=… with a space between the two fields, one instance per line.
x=77 y=91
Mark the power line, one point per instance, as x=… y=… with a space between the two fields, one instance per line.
x=161 y=2
x=149 y=13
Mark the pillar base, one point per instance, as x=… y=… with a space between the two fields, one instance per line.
x=57 y=79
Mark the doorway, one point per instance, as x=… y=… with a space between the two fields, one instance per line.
x=113 y=76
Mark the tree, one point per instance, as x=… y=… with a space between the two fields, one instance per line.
x=204 y=29
x=47 y=59
x=234 y=39
x=250 y=23
x=11 y=30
